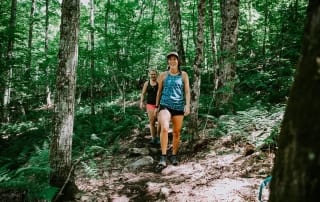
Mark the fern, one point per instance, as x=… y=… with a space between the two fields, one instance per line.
x=95 y=150
x=90 y=168
x=4 y=174
x=33 y=177
x=254 y=119
x=271 y=140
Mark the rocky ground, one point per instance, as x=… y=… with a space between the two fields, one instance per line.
x=229 y=163
x=214 y=170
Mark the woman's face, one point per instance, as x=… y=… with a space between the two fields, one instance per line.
x=153 y=75
x=173 y=61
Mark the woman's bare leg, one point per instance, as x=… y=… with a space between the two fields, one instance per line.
x=177 y=122
x=164 y=120
x=152 y=121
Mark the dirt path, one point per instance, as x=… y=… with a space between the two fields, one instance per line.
x=217 y=170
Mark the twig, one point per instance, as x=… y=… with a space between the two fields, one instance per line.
x=67 y=180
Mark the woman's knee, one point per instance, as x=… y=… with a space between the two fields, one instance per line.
x=164 y=129
x=152 y=120
x=176 y=134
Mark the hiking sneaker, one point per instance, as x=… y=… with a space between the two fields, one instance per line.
x=163 y=161
x=174 y=160
x=157 y=141
x=152 y=141
x=162 y=164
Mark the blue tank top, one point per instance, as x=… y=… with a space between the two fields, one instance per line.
x=173 y=92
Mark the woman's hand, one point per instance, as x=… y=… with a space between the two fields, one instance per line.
x=186 y=110
x=141 y=105
x=156 y=112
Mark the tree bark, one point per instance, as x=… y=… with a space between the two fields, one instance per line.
x=154 y=10
x=229 y=38
x=92 y=68
x=265 y=29
x=61 y=142
x=30 y=37
x=195 y=91
x=295 y=176
x=46 y=47
x=9 y=61
x=215 y=65
x=175 y=29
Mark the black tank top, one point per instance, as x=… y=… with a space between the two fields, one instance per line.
x=152 y=93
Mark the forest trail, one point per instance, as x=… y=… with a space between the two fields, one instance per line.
x=222 y=169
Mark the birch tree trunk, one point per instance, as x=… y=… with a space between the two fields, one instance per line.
x=175 y=29
x=46 y=39
x=9 y=61
x=61 y=142
x=195 y=91
x=295 y=176
x=213 y=44
x=229 y=38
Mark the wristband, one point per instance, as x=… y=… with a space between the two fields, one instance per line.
x=156 y=106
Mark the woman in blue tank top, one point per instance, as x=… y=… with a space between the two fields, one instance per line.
x=173 y=103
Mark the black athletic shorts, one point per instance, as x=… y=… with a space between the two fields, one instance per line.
x=172 y=111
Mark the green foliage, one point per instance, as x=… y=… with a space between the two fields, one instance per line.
x=243 y=102
x=260 y=84
x=104 y=129
x=20 y=140
x=4 y=174
x=32 y=177
x=95 y=150
x=15 y=128
x=272 y=140
x=219 y=131
x=90 y=168
x=268 y=51
x=261 y=122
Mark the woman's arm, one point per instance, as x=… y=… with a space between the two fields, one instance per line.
x=144 y=90
x=186 y=92
x=160 y=87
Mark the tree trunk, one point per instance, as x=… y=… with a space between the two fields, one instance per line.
x=61 y=143
x=46 y=39
x=9 y=61
x=92 y=68
x=295 y=175
x=175 y=29
x=30 y=36
x=229 y=38
x=195 y=91
x=154 y=9
x=265 y=31
x=213 y=44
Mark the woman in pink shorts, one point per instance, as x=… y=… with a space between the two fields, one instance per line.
x=150 y=88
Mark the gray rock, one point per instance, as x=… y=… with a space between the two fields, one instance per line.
x=144 y=161
x=138 y=151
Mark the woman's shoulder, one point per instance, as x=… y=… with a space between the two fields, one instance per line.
x=183 y=73
x=163 y=74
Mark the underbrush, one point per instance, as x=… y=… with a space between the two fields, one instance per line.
x=25 y=158
x=24 y=155
x=258 y=125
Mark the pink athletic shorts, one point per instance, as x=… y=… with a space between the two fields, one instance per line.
x=150 y=107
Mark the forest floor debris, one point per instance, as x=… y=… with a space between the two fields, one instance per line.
x=222 y=169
